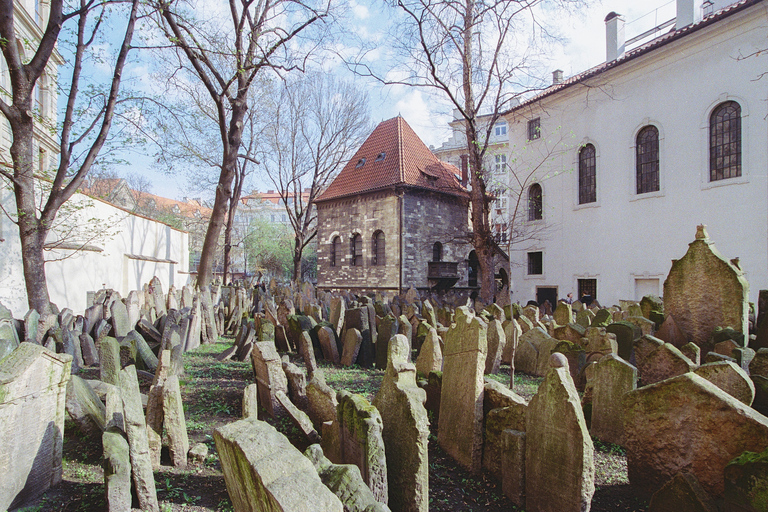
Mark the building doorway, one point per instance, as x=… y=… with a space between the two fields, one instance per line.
x=544 y=293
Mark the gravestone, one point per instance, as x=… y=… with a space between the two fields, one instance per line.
x=117 y=471
x=430 y=357
x=270 y=378
x=328 y=344
x=725 y=302
x=746 y=482
x=33 y=385
x=497 y=340
x=512 y=332
x=406 y=430
x=322 y=400
x=669 y=428
x=657 y=361
x=353 y=340
x=174 y=422
x=460 y=428
x=337 y=314
x=361 y=443
x=613 y=378
x=264 y=471
x=559 y=456
x=730 y=378
x=563 y=314
x=388 y=328
x=138 y=447
x=251 y=401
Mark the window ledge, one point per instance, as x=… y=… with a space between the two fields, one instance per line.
x=594 y=204
x=540 y=277
x=647 y=195
x=741 y=180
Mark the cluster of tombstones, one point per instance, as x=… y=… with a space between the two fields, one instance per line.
x=676 y=382
x=679 y=383
x=140 y=338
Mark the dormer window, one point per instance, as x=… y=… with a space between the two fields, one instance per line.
x=360 y=163
x=380 y=157
x=707 y=7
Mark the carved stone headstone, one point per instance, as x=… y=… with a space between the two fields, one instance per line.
x=559 y=456
x=725 y=302
x=613 y=378
x=270 y=378
x=460 y=428
x=406 y=431
x=33 y=385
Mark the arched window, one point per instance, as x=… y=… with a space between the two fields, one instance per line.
x=377 y=249
x=725 y=141
x=647 y=160
x=535 y=201
x=437 y=252
x=356 y=250
x=335 y=251
x=587 y=175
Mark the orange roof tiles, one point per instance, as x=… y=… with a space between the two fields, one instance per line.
x=406 y=161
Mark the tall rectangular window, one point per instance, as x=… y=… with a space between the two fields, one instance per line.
x=647 y=160
x=725 y=141
x=535 y=263
x=501 y=164
x=534 y=128
x=587 y=175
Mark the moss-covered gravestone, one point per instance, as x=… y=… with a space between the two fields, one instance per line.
x=460 y=429
x=746 y=482
x=361 y=442
x=613 y=378
x=704 y=290
x=406 y=430
x=687 y=423
x=559 y=456
x=264 y=471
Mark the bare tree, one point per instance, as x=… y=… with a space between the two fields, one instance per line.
x=317 y=125
x=226 y=57
x=35 y=215
x=470 y=52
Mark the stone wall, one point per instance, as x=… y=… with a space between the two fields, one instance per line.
x=427 y=218
x=365 y=215
x=430 y=218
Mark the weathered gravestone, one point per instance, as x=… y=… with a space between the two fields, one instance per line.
x=361 y=442
x=704 y=290
x=430 y=357
x=730 y=378
x=460 y=428
x=668 y=427
x=406 y=431
x=264 y=471
x=345 y=481
x=613 y=378
x=746 y=483
x=497 y=340
x=657 y=360
x=353 y=341
x=559 y=456
x=270 y=378
x=117 y=471
x=33 y=385
x=388 y=328
x=138 y=447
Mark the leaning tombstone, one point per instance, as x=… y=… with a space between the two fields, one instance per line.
x=174 y=422
x=33 y=385
x=559 y=455
x=264 y=471
x=270 y=378
x=613 y=378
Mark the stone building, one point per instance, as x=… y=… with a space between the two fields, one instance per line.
x=393 y=218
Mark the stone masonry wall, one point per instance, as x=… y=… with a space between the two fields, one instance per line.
x=430 y=218
x=364 y=214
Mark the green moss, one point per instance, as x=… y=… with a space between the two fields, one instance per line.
x=751 y=458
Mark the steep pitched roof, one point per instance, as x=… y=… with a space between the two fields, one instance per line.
x=672 y=35
x=394 y=155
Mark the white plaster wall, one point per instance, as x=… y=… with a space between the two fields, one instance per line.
x=70 y=279
x=625 y=236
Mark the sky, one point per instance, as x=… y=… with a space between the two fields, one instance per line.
x=583 y=47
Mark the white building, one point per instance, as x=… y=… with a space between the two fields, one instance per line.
x=624 y=160
x=94 y=244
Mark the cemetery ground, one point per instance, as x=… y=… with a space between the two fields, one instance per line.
x=212 y=392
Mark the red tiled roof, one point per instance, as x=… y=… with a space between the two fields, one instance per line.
x=662 y=40
x=407 y=161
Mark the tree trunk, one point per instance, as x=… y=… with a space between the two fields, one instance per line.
x=223 y=193
x=297 y=251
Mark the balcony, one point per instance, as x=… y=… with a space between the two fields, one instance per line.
x=442 y=274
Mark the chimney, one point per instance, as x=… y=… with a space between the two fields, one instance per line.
x=464 y=170
x=686 y=13
x=557 y=77
x=614 y=36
